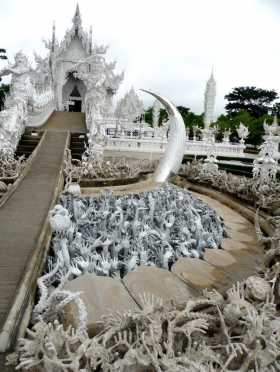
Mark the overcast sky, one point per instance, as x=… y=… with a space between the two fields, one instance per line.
x=166 y=46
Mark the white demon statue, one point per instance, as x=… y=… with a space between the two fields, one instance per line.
x=22 y=100
x=13 y=118
x=21 y=87
x=101 y=83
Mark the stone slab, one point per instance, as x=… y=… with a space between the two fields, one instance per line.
x=101 y=296
x=236 y=226
x=242 y=237
x=229 y=245
x=158 y=282
x=219 y=257
x=200 y=274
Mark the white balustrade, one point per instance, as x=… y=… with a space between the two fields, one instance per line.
x=158 y=146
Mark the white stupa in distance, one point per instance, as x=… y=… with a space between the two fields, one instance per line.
x=209 y=101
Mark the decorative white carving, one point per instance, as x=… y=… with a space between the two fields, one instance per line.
x=242 y=132
x=23 y=99
x=273 y=129
x=130 y=106
x=210 y=167
x=265 y=166
x=226 y=136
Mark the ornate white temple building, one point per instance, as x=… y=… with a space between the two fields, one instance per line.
x=81 y=76
x=75 y=76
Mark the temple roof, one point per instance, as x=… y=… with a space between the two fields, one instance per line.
x=77 y=20
x=76 y=31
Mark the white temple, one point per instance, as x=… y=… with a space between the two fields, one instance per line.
x=75 y=76
x=209 y=101
x=80 y=74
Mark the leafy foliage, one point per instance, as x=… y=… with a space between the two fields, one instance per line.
x=148 y=116
x=190 y=118
x=256 y=101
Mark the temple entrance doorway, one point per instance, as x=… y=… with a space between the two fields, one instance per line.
x=73 y=94
x=75 y=106
x=75 y=101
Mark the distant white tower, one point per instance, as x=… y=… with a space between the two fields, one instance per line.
x=156 y=113
x=209 y=101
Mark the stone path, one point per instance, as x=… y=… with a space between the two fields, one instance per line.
x=239 y=257
x=23 y=216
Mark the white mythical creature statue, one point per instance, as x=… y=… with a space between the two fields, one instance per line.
x=12 y=120
x=23 y=98
x=226 y=137
x=210 y=167
x=21 y=87
x=265 y=165
x=101 y=83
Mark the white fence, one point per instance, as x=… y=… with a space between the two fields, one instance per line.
x=158 y=146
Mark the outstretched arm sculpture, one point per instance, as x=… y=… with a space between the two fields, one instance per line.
x=173 y=156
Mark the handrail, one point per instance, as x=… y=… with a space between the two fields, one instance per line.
x=24 y=172
x=26 y=289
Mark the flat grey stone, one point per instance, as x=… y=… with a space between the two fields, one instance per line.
x=101 y=296
x=158 y=282
x=200 y=274
x=228 y=244
x=219 y=257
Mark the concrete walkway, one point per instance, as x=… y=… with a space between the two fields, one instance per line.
x=24 y=214
x=65 y=121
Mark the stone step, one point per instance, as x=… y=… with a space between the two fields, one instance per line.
x=77 y=146
x=159 y=283
x=102 y=296
x=200 y=274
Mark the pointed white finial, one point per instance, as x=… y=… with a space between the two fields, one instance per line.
x=77 y=21
x=90 y=40
x=53 y=36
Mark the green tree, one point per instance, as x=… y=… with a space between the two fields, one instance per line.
x=256 y=101
x=148 y=116
x=189 y=117
x=255 y=125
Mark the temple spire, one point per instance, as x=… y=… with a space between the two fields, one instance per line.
x=209 y=101
x=90 y=40
x=53 y=37
x=77 y=20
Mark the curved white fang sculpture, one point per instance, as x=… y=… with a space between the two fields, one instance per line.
x=173 y=156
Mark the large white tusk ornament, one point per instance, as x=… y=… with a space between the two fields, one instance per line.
x=173 y=156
